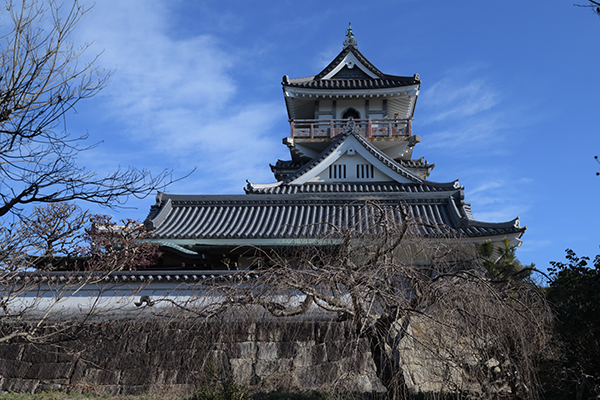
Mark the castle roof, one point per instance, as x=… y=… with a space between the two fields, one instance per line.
x=303 y=208
x=336 y=178
x=197 y=219
x=350 y=69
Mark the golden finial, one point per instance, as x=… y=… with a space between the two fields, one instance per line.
x=350 y=40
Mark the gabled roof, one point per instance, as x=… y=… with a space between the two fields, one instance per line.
x=350 y=139
x=279 y=213
x=307 y=204
x=350 y=69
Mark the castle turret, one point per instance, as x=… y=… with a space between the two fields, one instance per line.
x=351 y=87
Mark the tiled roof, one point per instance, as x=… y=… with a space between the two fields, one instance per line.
x=289 y=164
x=388 y=81
x=117 y=277
x=283 y=169
x=354 y=187
x=340 y=57
x=419 y=163
x=300 y=216
x=383 y=80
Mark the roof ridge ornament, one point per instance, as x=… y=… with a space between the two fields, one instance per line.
x=351 y=127
x=350 y=40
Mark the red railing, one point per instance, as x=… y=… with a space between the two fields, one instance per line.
x=368 y=128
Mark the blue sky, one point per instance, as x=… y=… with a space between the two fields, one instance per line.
x=509 y=97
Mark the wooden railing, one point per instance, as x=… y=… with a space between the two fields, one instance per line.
x=368 y=128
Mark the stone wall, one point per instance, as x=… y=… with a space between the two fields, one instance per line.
x=121 y=357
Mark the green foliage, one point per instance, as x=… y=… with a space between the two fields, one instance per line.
x=501 y=262
x=575 y=295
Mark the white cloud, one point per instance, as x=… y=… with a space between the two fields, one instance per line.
x=495 y=198
x=456 y=98
x=484 y=132
x=464 y=112
x=172 y=100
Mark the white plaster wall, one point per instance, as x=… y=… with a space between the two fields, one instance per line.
x=343 y=104
x=325 y=105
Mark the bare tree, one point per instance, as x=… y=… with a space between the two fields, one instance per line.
x=32 y=293
x=595 y=5
x=399 y=279
x=54 y=229
x=42 y=79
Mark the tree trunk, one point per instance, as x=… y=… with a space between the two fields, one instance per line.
x=389 y=370
x=387 y=362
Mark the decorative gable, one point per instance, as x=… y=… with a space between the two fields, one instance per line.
x=351 y=167
x=351 y=63
x=351 y=158
x=351 y=73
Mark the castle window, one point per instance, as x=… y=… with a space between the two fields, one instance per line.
x=364 y=171
x=337 y=171
x=351 y=113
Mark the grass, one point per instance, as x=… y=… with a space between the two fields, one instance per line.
x=86 y=396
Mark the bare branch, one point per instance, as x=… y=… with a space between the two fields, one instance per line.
x=42 y=81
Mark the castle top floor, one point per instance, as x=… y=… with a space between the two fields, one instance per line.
x=351 y=87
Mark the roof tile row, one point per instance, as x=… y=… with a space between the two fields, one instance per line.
x=316 y=218
x=341 y=84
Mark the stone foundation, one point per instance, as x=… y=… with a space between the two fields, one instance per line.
x=123 y=357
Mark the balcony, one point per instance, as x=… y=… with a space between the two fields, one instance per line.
x=367 y=128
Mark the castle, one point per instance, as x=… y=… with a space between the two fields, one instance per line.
x=350 y=142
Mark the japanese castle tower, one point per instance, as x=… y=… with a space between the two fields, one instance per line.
x=350 y=142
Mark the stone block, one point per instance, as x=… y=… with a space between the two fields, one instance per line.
x=93 y=376
x=319 y=353
x=168 y=359
x=307 y=378
x=325 y=332
x=337 y=350
x=66 y=357
x=48 y=387
x=358 y=384
x=219 y=360
x=303 y=357
x=242 y=370
x=240 y=331
x=137 y=343
x=200 y=358
x=109 y=390
x=287 y=349
x=39 y=354
x=11 y=351
x=135 y=377
x=264 y=368
x=20 y=385
x=185 y=377
x=13 y=368
x=268 y=350
x=299 y=332
x=165 y=377
x=49 y=371
x=131 y=361
x=246 y=350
